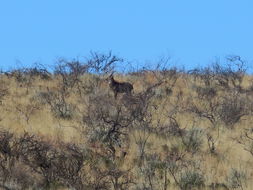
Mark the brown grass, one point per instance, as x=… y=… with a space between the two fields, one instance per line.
x=22 y=112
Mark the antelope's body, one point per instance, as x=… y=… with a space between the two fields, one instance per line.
x=119 y=87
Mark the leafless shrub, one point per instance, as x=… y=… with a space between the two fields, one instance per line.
x=232 y=109
x=236 y=179
x=26 y=76
x=6 y=159
x=68 y=164
x=206 y=75
x=191 y=180
x=226 y=77
x=70 y=73
x=102 y=63
x=141 y=137
x=150 y=169
x=206 y=92
x=57 y=102
x=206 y=103
x=227 y=108
x=37 y=154
x=246 y=139
x=211 y=144
x=11 y=167
x=193 y=140
x=92 y=84
x=206 y=109
x=54 y=164
x=25 y=111
x=139 y=105
x=62 y=109
x=172 y=128
x=107 y=121
x=18 y=74
x=38 y=70
x=22 y=78
x=120 y=179
x=42 y=97
x=3 y=91
x=215 y=186
x=157 y=171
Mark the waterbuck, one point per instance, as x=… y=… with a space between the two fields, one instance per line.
x=119 y=87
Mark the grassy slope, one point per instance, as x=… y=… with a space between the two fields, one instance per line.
x=20 y=112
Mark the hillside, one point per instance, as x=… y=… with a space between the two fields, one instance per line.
x=176 y=130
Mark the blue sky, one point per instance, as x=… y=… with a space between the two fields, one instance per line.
x=191 y=32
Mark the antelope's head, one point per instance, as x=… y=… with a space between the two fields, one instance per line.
x=109 y=78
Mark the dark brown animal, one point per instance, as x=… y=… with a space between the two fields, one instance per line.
x=119 y=87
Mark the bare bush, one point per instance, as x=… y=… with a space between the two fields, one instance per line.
x=203 y=108
x=26 y=111
x=107 y=121
x=236 y=179
x=206 y=92
x=158 y=172
x=232 y=109
x=38 y=70
x=25 y=77
x=70 y=73
x=246 y=139
x=191 y=180
x=211 y=144
x=6 y=155
x=3 y=91
x=228 y=107
x=102 y=63
x=57 y=102
x=193 y=140
x=49 y=163
x=225 y=77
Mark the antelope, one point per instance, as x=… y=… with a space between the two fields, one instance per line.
x=119 y=87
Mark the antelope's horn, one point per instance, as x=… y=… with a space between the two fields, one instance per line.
x=112 y=73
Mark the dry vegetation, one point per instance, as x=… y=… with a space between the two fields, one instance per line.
x=178 y=130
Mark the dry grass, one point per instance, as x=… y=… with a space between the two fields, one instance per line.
x=22 y=111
